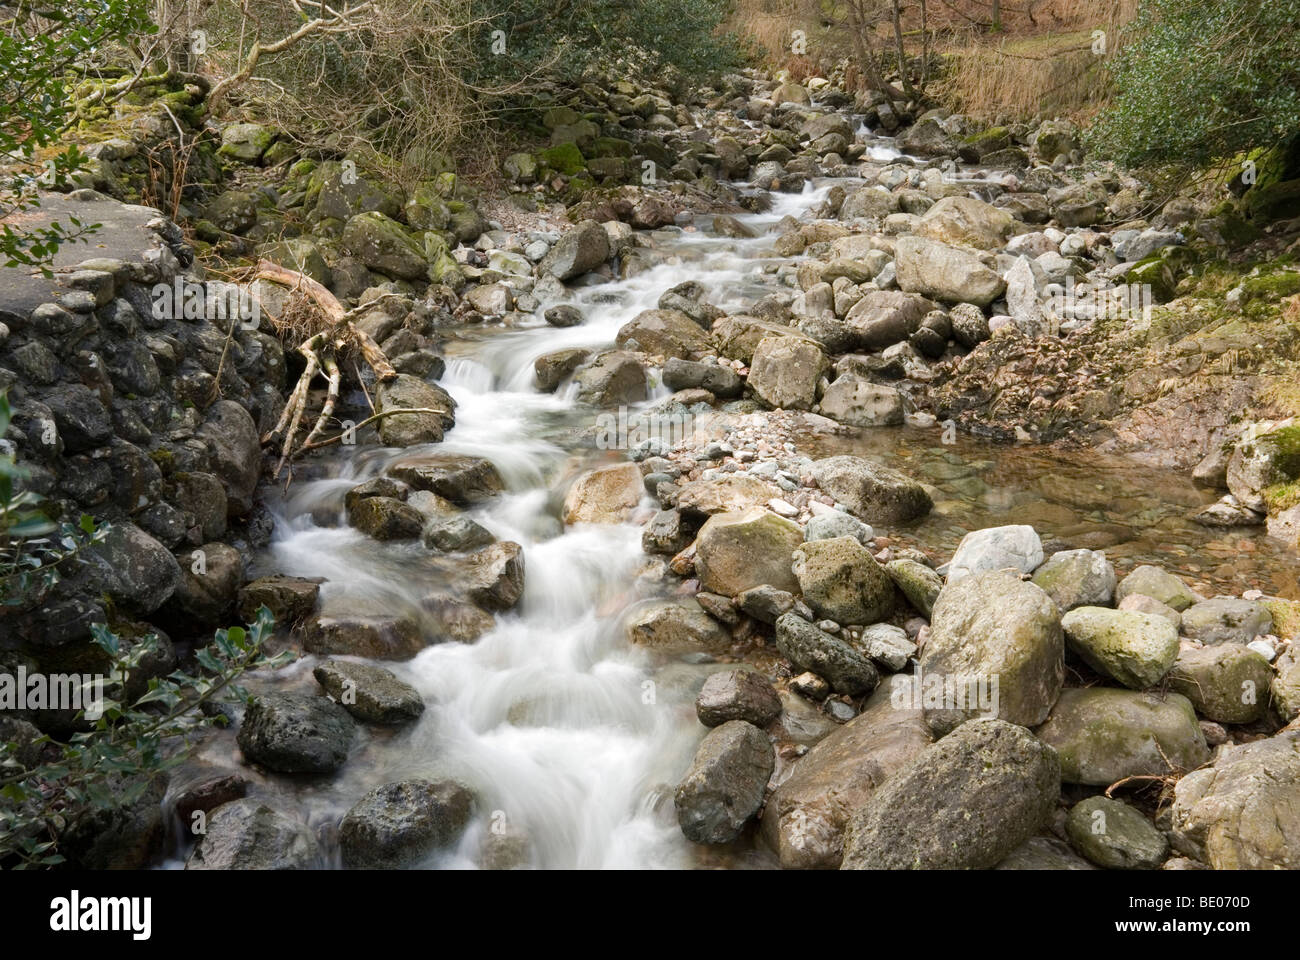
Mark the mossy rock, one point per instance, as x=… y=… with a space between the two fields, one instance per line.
x=334 y=191
x=279 y=152
x=442 y=266
x=382 y=245
x=298 y=254
x=611 y=147
x=245 y=142
x=1154 y=271
x=425 y=209
x=564 y=158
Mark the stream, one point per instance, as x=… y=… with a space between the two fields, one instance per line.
x=571 y=739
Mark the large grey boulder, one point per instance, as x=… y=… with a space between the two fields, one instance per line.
x=581 y=250
x=1137 y=649
x=995 y=629
x=1241 y=812
x=735 y=552
x=1103 y=735
x=1015 y=547
x=965 y=802
x=861 y=403
x=842 y=581
x=724 y=787
x=371 y=694
x=1153 y=582
x=785 y=372
x=1077 y=578
x=1226 y=620
x=805 y=818
x=737 y=695
x=231 y=437
x=1113 y=835
x=1227 y=683
x=872 y=492
x=942 y=272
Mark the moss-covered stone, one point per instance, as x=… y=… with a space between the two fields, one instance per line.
x=563 y=158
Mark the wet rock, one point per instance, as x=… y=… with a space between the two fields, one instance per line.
x=842 y=581
x=296 y=733
x=236 y=450
x=919 y=584
x=965 y=802
x=124 y=831
x=378 y=638
x=805 y=818
x=563 y=315
x=808 y=648
x=1077 y=578
x=399 y=824
x=1226 y=620
x=581 y=250
x=1227 y=683
x=462 y=479
x=1241 y=813
x=494 y=576
x=455 y=535
x=872 y=492
x=614 y=378
x=133 y=569
x=210 y=578
x=604 y=495
x=970 y=327
x=385 y=518
x=552 y=369
x=785 y=372
x=290 y=599
x=412 y=393
x=1016 y=547
x=885 y=317
x=1156 y=583
x=724 y=787
x=861 y=403
x=665 y=533
x=731 y=493
x=737 y=695
x=945 y=273
x=737 y=551
x=371 y=694
x=1113 y=835
x=720 y=381
x=1258 y=464
x=249 y=835
x=994 y=625
x=447 y=619
x=665 y=333
x=1137 y=649
x=384 y=246
x=676 y=627
x=1103 y=735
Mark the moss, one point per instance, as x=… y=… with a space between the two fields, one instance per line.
x=164 y=459
x=563 y=157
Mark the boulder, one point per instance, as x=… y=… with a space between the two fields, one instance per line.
x=386 y=518
x=581 y=250
x=919 y=584
x=812 y=649
x=1227 y=683
x=371 y=694
x=737 y=695
x=664 y=333
x=613 y=379
x=1016 y=547
x=722 y=382
x=493 y=577
x=966 y=222
x=1240 y=813
x=552 y=369
x=785 y=372
x=231 y=437
x=1156 y=583
x=605 y=495
x=1226 y=620
x=412 y=393
x=872 y=492
x=462 y=479
x=841 y=581
x=296 y=733
x=384 y=246
x=740 y=550
x=965 y=802
x=249 y=835
x=995 y=628
x=379 y=638
x=724 y=787
x=290 y=599
x=805 y=817
x=1077 y=578
x=730 y=493
x=398 y=824
x=1103 y=735
x=942 y=272
x=1137 y=649
x=1113 y=835
x=861 y=403
x=676 y=627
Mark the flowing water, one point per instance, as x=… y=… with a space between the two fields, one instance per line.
x=571 y=739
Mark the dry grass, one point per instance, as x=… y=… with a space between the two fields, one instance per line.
x=1039 y=63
